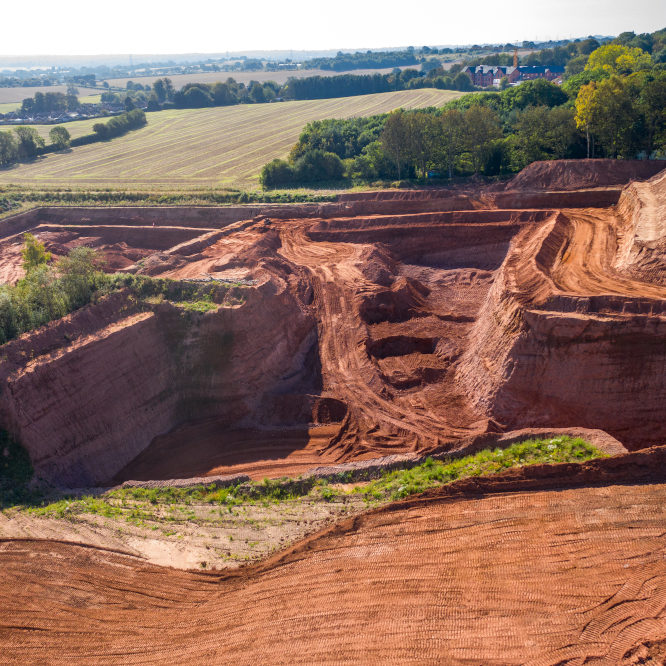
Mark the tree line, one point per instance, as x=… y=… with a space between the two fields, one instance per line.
x=343 y=62
x=619 y=112
x=51 y=101
x=231 y=92
x=25 y=143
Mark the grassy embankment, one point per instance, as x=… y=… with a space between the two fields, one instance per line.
x=219 y=527
x=141 y=504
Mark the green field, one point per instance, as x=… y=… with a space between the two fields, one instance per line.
x=218 y=147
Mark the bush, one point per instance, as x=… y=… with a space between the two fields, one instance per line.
x=276 y=173
x=317 y=165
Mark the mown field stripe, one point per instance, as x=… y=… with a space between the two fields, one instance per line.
x=224 y=145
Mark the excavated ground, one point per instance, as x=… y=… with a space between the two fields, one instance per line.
x=488 y=571
x=379 y=324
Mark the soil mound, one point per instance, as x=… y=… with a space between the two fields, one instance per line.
x=579 y=174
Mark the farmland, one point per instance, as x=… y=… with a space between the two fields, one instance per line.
x=16 y=95
x=221 y=147
x=179 y=80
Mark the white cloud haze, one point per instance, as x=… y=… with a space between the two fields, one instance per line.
x=79 y=27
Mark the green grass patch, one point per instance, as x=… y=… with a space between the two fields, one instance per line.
x=168 y=504
x=402 y=483
x=197 y=306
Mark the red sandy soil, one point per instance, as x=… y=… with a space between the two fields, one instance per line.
x=420 y=319
x=486 y=571
x=372 y=326
x=579 y=174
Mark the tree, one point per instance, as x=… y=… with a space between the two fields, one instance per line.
x=482 y=126
x=78 y=272
x=8 y=148
x=223 y=94
x=617 y=59
x=101 y=130
x=452 y=137
x=395 y=138
x=164 y=90
x=587 y=111
x=257 y=92
x=318 y=165
x=462 y=82
x=29 y=141
x=651 y=102
x=194 y=97
x=60 y=137
x=606 y=110
x=542 y=133
x=423 y=136
x=538 y=92
x=33 y=253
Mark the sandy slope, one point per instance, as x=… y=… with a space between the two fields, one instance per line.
x=543 y=576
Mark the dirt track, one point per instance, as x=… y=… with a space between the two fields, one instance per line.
x=543 y=577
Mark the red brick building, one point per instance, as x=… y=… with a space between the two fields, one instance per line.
x=485 y=76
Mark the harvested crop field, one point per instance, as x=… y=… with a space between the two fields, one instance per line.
x=223 y=146
x=179 y=80
x=18 y=94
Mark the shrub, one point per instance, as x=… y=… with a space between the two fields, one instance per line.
x=276 y=173
x=317 y=165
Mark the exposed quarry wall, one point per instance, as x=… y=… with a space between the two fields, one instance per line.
x=401 y=321
x=642 y=230
x=564 y=339
x=84 y=408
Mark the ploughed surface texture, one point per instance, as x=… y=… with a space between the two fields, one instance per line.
x=406 y=322
x=484 y=571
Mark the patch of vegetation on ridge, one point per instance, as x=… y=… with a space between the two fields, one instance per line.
x=402 y=483
x=49 y=291
x=144 y=505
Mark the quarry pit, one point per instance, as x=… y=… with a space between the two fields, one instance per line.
x=385 y=323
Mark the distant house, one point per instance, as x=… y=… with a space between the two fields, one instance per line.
x=485 y=76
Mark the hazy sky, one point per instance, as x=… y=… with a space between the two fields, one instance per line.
x=81 y=27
